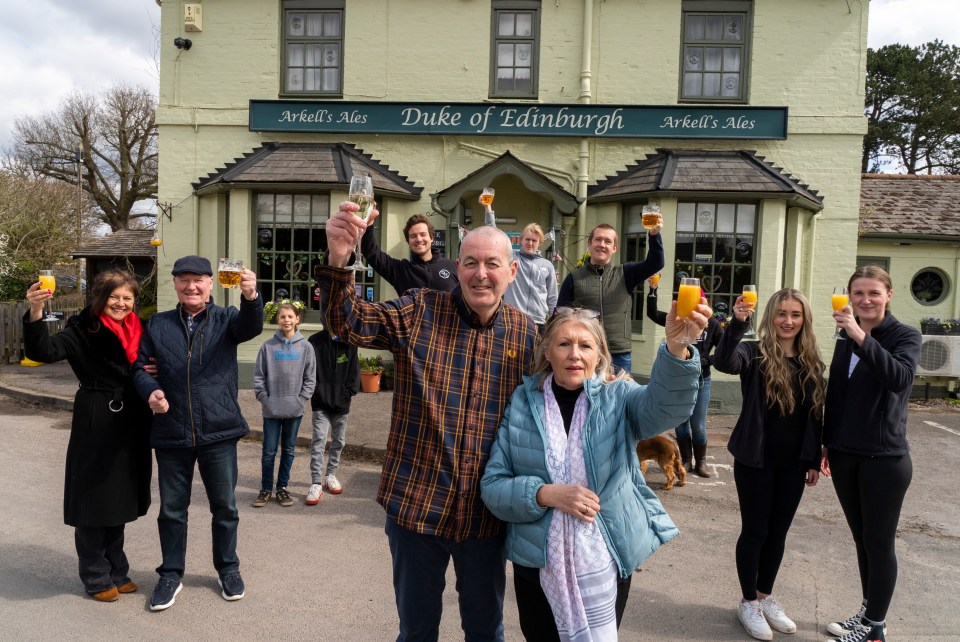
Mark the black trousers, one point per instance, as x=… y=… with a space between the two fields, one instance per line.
x=536 y=617
x=871 y=492
x=103 y=564
x=769 y=498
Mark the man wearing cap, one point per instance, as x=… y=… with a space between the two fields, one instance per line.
x=197 y=420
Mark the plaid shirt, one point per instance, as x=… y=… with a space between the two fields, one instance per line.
x=453 y=379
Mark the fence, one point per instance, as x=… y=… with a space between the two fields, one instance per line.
x=11 y=323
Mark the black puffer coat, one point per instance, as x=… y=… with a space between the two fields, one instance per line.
x=109 y=465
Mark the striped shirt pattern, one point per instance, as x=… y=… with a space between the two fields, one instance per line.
x=453 y=378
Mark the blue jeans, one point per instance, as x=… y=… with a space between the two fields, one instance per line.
x=218 y=470
x=278 y=432
x=697 y=423
x=419 y=570
x=336 y=425
x=623 y=361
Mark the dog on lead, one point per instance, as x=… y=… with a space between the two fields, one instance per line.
x=664 y=451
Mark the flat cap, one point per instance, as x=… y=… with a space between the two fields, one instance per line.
x=192 y=264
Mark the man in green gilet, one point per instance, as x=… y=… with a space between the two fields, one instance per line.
x=608 y=289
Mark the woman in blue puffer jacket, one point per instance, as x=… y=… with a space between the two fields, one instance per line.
x=563 y=473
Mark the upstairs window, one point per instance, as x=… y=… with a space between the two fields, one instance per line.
x=313 y=47
x=515 y=49
x=716 y=37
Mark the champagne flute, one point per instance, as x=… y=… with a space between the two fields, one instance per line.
x=361 y=193
x=839 y=300
x=688 y=297
x=750 y=300
x=48 y=282
x=654 y=280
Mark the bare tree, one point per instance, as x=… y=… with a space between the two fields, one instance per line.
x=111 y=136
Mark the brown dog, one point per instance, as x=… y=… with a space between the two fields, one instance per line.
x=664 y=451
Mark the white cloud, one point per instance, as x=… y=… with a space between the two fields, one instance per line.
x=913 y=22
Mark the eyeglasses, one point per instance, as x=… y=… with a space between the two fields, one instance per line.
x=564 y=311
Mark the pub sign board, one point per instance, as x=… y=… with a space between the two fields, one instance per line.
x=510 y=119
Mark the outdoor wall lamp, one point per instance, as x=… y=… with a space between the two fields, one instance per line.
x=182 y=43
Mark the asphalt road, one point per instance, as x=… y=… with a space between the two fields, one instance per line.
x=323 y=573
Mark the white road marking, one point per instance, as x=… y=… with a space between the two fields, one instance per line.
x=936 y=425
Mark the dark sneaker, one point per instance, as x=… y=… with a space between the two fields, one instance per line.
x=845 y=626
x=283 y=497
x=165 y=594
x=262 y=499
x=232 y=585
x=864 y=633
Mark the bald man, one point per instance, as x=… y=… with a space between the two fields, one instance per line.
x=458 y=356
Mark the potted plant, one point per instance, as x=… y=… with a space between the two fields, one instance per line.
x=931 y=325
x=371 y=368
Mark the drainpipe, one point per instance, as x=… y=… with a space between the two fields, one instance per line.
x=585 y=97
x=808 y=286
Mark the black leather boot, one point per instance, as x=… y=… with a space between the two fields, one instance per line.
x=700 y=455
x=686 y=454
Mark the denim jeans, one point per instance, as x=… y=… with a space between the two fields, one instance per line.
x=218 y=470
x=419 y=570
x=623 y=361
x=280 y=433
x=697 y=423
x=336 y=425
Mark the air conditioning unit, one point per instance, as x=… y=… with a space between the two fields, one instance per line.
x=939 y=356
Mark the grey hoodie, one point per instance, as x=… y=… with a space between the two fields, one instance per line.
x=534 y=291
x=284 y=375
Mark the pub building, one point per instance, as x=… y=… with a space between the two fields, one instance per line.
x=742 y=119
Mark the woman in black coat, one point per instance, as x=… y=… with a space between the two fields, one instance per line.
x=108 y=468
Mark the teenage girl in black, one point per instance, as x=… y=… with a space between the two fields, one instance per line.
x=865 y=439
x=775 y=443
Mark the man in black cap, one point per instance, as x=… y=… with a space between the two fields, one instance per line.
x=197 y=420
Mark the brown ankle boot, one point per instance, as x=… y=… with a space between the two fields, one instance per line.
x=700 y=456
x=686 y=454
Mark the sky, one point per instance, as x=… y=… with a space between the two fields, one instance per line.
x=50 y=48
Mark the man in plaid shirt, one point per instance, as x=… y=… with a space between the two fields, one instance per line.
x=458 y=356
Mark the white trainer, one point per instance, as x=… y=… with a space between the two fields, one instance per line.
x=751 y=617
x=333 y=485
x=314 y=494
x=775 y=615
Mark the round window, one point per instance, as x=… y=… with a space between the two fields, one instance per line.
x=929 y=286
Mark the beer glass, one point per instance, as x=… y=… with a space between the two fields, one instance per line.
x=48 y=282
x=650 y=215
x=688 y=297
x=361 y=193
x=839 y=301
x=486 y=196
x=750 y=300
x=228 y=272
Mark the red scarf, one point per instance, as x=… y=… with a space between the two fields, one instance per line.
x=128 y=332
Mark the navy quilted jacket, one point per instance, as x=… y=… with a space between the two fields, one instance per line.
x=198 y=376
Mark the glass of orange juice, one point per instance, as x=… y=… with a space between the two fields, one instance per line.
x=654 y=280
x=750 y=299
x=48 y=282
x=839 y=300
x=688 y=297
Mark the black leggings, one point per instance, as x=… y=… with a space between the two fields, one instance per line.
x=871 y=492
x=769 y=497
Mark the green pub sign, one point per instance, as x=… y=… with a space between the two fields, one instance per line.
x=511 y=119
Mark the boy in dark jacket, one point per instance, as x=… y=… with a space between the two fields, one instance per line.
x=338 y=379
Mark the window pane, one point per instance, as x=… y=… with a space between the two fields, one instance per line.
x=321 y=208
x=711 y=84
x=731 y=85
x=712 y=58
x=523 y=58
x=695 y=27
x=693 y=60
x=314 y=55
x=685 y=213
x=294 y=55
x=284 y=207
x=295 y=80
x=506 y=24
x=311 y=80
x=692 y=84
x=295 y=24
x=714 y=28
x=301 y=209
x=504 y=55
x=523 y=80
x=314 y=24
x=524 y=25
x=734 y=28
x=505 y=79
x=706 y=215
x=331 y=55
x=746 y=215
x=331 y=79
x=331 y=25
x=731 y=59
x=726 y=213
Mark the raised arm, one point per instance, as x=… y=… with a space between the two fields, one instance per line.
x=635 y=273
x=655 y=315
x=381 y=262
x=565 y=296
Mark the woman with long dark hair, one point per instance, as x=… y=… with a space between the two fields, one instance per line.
x=108 y=468
x=775 y=443
x=865 y=447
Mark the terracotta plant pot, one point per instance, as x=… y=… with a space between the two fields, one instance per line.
x=370 y=380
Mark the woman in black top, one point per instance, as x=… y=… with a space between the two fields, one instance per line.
x=865 y=439
x=775 y=443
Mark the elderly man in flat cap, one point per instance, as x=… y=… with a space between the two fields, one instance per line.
x=197 y=420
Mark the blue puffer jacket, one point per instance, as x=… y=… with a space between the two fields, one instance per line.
x=631 y=519
x=198 y=376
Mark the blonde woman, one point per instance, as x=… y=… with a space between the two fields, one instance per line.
x=775 y=443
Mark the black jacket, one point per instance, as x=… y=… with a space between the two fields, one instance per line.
x=438 y=273
x=198 y=374
x=866 y=412
x=338 y=374
x=746 y=440
x=705 y=343
x=109 y=463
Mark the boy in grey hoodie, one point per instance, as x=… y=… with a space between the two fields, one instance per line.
x=284 y=377
x=534 y=290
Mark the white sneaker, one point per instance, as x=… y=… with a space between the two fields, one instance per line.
x=775 y=616
x=751 y=617
x=314 y=495
x=333 y=485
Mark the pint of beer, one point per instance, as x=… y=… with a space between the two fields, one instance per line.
x=228 y=272
x=486 y=196
x=650 y=216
